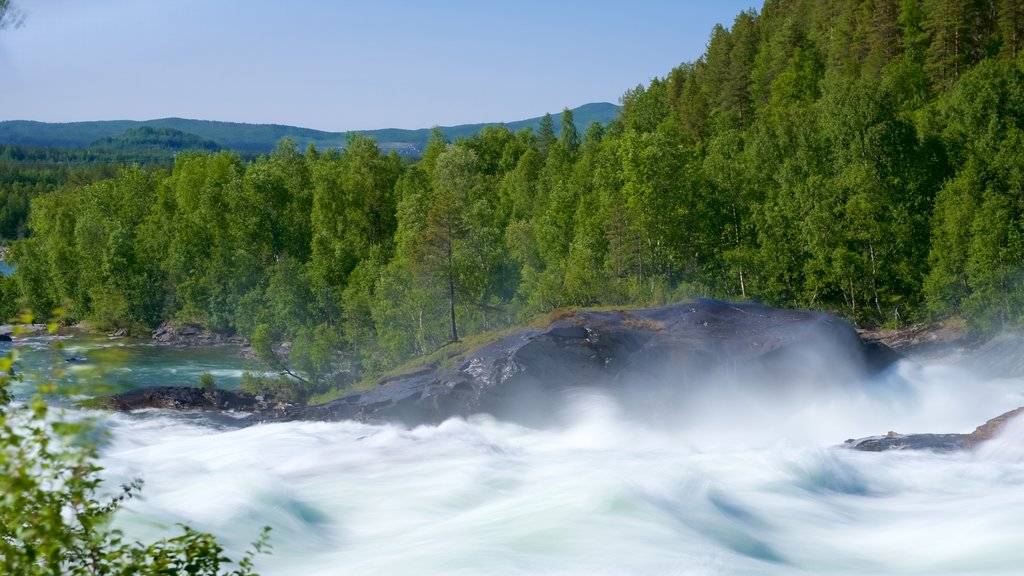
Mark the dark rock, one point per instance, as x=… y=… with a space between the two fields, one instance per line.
x=893 y=441
x=652 y=360
x=879 y=356
x=181 y=398
x=193 y=335
x=935 y=442
x=5 y=337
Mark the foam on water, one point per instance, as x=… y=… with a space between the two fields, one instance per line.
x=741 y=488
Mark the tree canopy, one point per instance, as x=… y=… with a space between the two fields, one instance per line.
x=862 y=157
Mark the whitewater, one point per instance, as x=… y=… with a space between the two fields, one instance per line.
x=739 y=485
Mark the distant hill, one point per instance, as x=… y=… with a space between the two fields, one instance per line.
x=148 y=138
x=252 y=138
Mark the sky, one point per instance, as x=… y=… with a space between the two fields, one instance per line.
x=341 y=65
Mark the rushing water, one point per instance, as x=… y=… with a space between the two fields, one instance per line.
x=748 y=488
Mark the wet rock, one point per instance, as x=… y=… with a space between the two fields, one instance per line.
x=894 y=441
x=653 y=360
x=181 y=398
x=935 y=442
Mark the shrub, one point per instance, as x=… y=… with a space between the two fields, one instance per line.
x=206 y=381
x=53 y=522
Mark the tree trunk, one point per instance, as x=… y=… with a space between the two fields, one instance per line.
x=874 y=276
x=736 y=230
x=451 y=294
x=451 y=307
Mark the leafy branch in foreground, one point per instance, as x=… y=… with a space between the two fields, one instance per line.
x=53 y=519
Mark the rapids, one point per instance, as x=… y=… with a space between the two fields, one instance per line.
x=740 y=486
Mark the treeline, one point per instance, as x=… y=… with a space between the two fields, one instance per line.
x=33 y=158
x=864 y=157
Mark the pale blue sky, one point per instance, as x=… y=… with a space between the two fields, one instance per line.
x=341 y=65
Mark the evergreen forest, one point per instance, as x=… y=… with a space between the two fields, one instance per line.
x=864 y=157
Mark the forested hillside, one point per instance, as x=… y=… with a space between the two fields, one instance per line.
x=865 y=157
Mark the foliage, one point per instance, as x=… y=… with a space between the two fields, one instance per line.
x=55 y=517
x=272 y=388
x=206 y=381
x=858 y=157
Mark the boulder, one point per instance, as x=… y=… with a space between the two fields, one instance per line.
x=894 y=441
x=181 y=398
x=653 y=360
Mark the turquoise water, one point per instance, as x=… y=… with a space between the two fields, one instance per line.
x=5 y=269
x=97 y=365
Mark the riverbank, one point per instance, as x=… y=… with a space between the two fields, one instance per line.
x=9 y=331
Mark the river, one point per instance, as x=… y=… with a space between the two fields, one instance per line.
x=740 y=487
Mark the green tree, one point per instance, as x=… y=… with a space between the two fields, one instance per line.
x=960 y=32
x=404 y=309
x=976 y=249
x=442 y=247
x=568 y=136
x=1011 y=28
x=353 y=212
x=9 y=297
x=546 y=134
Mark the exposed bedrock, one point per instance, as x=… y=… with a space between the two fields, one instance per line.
x=653 y=360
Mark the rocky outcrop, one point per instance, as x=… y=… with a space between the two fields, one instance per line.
x=926 y=343
x=653 y=360
x=181 y=398
x=192 y=335
x=992 y=428
x=935 y=442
